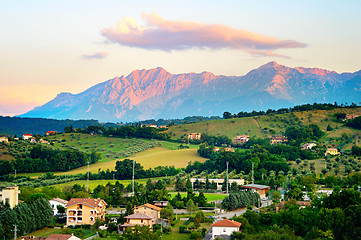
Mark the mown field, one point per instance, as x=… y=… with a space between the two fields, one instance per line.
x=94 y=183
x=210 y=196
x=227 y=127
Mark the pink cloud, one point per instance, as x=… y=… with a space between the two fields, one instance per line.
x=98 y=55
x=168 y=35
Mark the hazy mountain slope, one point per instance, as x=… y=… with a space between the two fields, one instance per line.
x=156 y=93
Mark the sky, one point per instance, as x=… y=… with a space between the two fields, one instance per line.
x=48 y=47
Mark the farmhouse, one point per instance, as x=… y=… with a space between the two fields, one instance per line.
x=55 y=202
x=278 y=139
x=84 y=211
x=308 y=146
x=260 y=189
x=219 y=182
x=27 y=136
x=224 y=228
x=241 y=139
x=160 y=204
x=150 y=210
x=4 y=139
x=62 y=237
x=136 y=219
x=10 y=195
x=332 y=151
x=194 y=136
x=51 y=133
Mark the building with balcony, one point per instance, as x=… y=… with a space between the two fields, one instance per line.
x=85 y=211
x=10 y=195
x=194 y=136
x=241 y=139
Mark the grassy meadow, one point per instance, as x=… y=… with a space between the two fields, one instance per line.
x=210 y=196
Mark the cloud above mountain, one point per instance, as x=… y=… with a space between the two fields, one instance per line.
x=167 y=35
x=98 y=55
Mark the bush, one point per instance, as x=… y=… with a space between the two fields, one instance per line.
x=182 y=228
x=196 y=235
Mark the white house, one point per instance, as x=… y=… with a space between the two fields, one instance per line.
x=27 y=136
x=55 y=202
x=225 y=228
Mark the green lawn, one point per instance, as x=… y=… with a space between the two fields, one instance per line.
x=210 y=196
x=228 y=127
x=94 y=183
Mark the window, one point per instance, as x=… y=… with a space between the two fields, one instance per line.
x=141 y=221
x=224 y=230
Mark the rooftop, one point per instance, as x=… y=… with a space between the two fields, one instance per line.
x=226 y=223
x=256 y=186
x=138 y=216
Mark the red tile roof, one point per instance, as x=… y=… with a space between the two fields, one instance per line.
x=91 y=202
x=226 y=223
x=59 y=237
x=138 y=216
x=150 y=206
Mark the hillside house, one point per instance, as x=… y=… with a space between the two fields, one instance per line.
x=27 y=136
x=55 y=202
x=223 y=229
x=139 y=219
x=241 y=139
x=351 y=116
x=219 y=182
x=4 y=139
x=332 y=151
x=62 y=237
x=160 y=204
x=149 y=210
x=194 y=136
x=10 y=195
x=260 y=189
x=43 y=141
x=48 y=133
x=278 y=139
x=85 y=211
x=308 y=146
x=33 y=140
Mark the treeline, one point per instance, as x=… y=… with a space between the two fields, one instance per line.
x=333 y=217
x=124 y=170
x=27 y=217
x=297 y=108
x=241 y=161
x=123 y=131
x=18 y=126
x=44 y=159
x=240 y=200
x=354 y=123
x=301 y=134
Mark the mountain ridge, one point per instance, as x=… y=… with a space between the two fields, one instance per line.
x=157 y=93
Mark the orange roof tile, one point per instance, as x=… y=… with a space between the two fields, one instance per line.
x=150 y=206
x=59 y=237
x=91 y=202
x=226 y=223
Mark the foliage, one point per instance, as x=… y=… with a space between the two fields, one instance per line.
x=27 y=217
x=240 y=200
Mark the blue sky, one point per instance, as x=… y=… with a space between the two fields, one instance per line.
x=48 y=47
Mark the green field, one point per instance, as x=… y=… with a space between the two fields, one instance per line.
x=94 y=183
x=228 y=127
x=210 y=196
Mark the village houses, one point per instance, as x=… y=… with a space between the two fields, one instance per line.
x=194 y=136
x=332 y=151
x=85 y=211
x=241 y=139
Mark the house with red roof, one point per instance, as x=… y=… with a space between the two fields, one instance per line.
x=27 y=136
x=224 y=228
x=85 y=211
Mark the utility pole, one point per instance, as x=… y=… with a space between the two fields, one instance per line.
x=227 y=177
x=252 y=173
x=15 y=232
x=133 y=177
x=87 y=180
x=113 y=177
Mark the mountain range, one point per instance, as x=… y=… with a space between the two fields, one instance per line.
x=156 y=93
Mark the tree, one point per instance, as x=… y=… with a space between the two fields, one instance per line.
x=191 y=207
x=61 y=209
x=207 y=185
x=329 y=128
x=201 y=200
x=167 y=213
x=189 y=185
x=276 y=196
